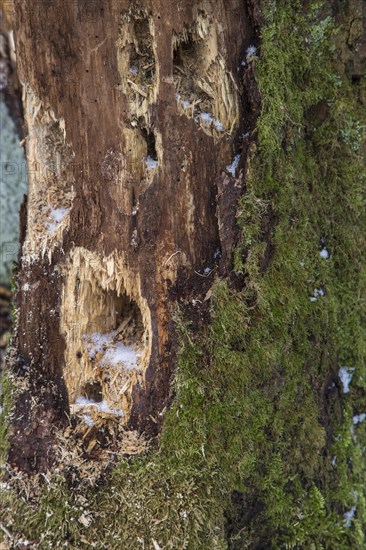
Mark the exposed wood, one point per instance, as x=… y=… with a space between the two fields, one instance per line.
x=133 y=113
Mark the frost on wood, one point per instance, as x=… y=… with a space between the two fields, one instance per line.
x=107 y=328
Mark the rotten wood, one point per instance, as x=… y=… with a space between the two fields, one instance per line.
x=133 y=112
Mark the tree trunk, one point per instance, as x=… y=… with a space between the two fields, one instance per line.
x=185 y=265
x=121 y=219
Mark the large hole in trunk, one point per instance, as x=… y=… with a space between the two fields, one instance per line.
x=108 y=341
x=204 y=88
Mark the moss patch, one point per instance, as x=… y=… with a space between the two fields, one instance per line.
x=5 y=404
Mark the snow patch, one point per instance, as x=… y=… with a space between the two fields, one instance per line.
x=206 y=117
x=115 y=353
x=88 y=421
x=97 y=343
x=122 y=356
x=151 y=163
x=346 y=374
x=348 y=516
x=318 y=292
x=324 y=253
x=232 y=168
x=101 y=406
x=55 y=217
x=358 y=418
x=218 y=125
x=250 y=53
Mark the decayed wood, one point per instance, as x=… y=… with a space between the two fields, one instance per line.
x=134 y=111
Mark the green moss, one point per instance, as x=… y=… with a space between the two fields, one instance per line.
x=259 y=449
x=5 y=404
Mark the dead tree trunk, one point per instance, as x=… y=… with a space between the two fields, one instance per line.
x=132 y=112
x=190 y=287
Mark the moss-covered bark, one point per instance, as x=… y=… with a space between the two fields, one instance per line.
x=263 y=446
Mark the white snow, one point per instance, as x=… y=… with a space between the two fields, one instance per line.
x=233 y=166
x=358 y=418
x=317 y=293
x=251 y=51
x=26 y=287
x=121 y=355
x=206 y=117
x=88 y=421
x=346 y=374
x=151 y=163
x=102 y=406
x=324 y=254
x=96 y=342
x=208 y=120
x=348 y=516
x=183 y=102
x=218 y=125
x=115 y=354
x=55 y=217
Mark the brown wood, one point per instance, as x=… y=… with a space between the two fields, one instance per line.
x=108 y=238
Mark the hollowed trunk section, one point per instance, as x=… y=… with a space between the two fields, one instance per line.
x=107 y=337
